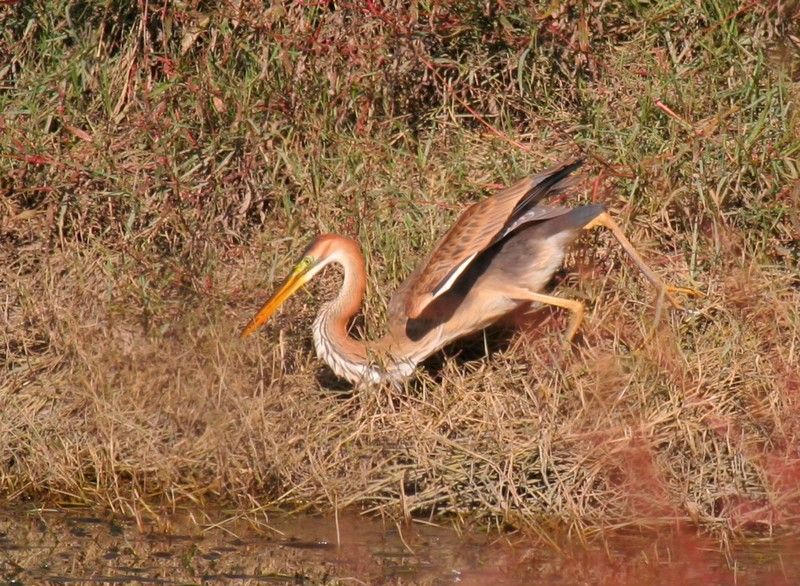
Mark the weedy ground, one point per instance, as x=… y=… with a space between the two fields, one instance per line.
x=163 y=164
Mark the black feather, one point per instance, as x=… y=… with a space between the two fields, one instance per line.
x=549 y=185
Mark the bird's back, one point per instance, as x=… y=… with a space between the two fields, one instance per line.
x=477 y=228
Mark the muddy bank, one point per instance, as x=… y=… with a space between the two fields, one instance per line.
x=80 y=547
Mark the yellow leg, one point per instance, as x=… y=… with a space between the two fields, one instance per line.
x=575 y=307
x=605 y=221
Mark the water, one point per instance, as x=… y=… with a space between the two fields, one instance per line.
x=78 y=547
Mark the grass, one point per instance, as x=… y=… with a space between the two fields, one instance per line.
x=162 y=165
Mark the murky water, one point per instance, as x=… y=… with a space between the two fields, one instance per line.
x=76 y=547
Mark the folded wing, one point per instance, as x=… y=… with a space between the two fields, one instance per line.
x=479 y=227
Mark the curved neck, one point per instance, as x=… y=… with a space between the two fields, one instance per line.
x=333 y=318
x=349 y=358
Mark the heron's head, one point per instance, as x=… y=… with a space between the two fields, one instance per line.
x=321 y=252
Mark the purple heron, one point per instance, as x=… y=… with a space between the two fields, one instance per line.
x=499 y=255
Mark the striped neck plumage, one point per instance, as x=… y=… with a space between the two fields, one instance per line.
x=357 y=361
x=353 y=359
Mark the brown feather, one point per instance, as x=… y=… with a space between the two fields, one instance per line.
x=481 y=225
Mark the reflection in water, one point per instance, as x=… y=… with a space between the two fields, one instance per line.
x=79 y=548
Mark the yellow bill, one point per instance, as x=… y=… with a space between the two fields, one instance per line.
x=293 y=282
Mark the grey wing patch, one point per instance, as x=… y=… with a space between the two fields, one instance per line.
x=483 y=225
x=528 y=209
x=537 y=214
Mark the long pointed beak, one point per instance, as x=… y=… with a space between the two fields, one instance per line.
x=297 y=279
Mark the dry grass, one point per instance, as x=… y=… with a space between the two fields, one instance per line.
x=161 y=166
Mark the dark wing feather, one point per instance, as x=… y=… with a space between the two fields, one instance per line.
x=552 y=181
x=481 y=225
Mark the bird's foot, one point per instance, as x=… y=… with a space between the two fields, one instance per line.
x=669 y=292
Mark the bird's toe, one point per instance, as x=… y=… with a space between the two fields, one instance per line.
x=670 y=291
